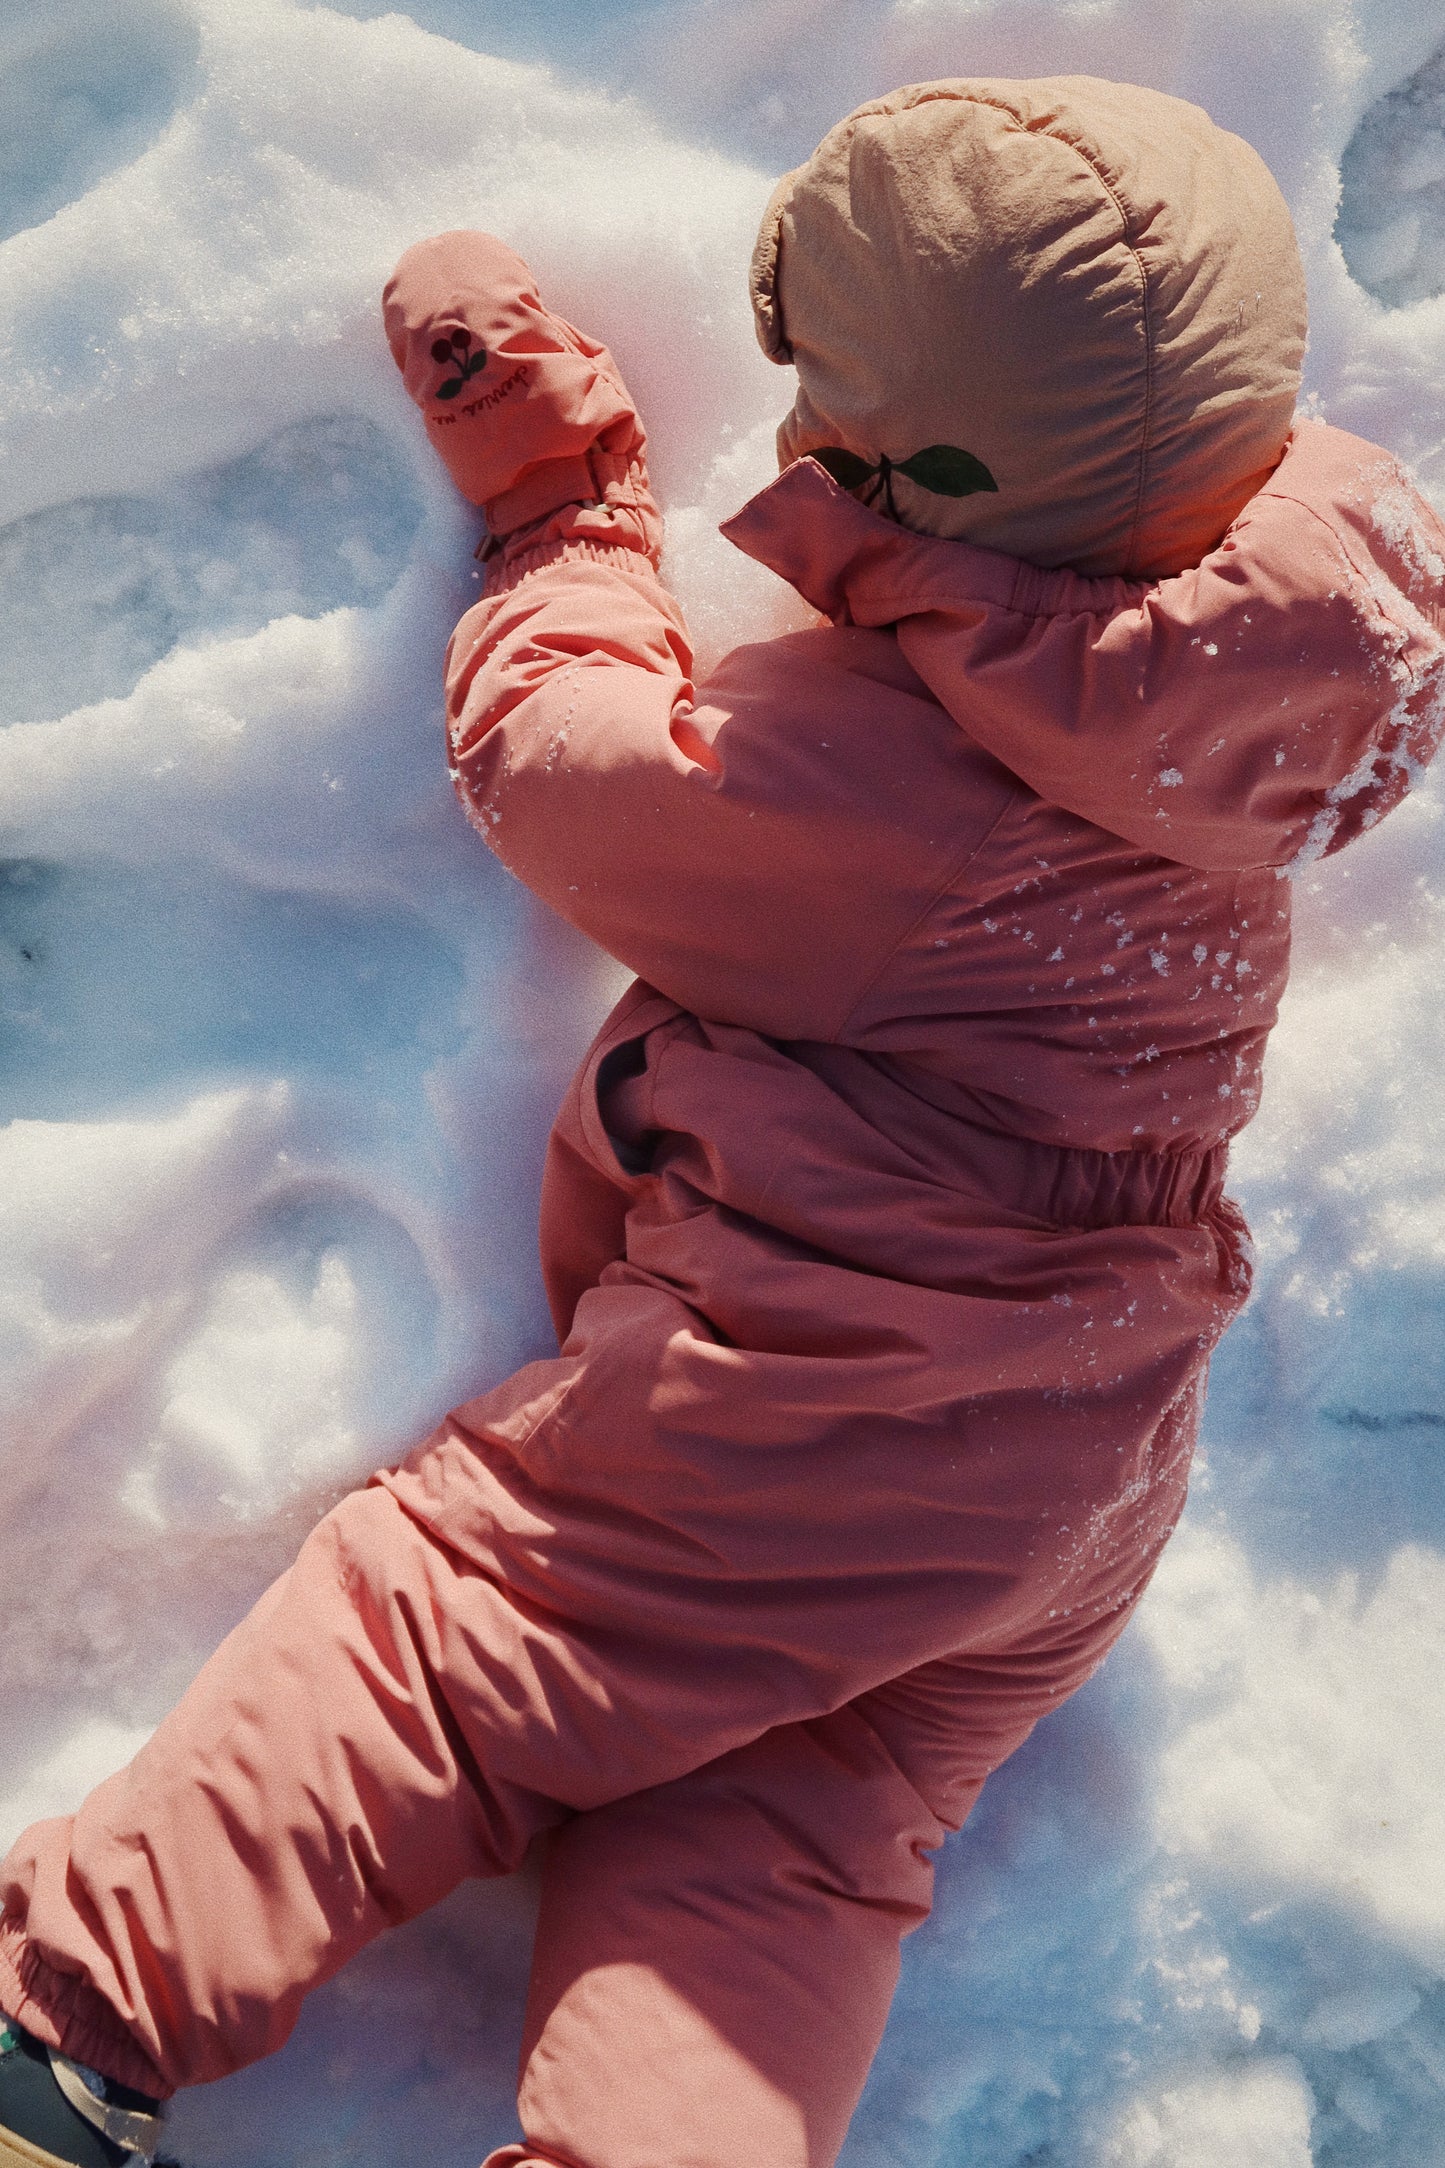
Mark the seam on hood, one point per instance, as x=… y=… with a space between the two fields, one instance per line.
x=763 y=274
x=1146 y=427
x=1089 y=157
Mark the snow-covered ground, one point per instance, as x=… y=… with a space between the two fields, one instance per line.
x=278 y=1043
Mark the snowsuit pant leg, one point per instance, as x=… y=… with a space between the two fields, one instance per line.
x=316 y=1785
x=375 y=1731
x=313 y=1787
x=716 y=1957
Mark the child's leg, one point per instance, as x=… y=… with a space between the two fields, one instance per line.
x=312 y=1788
x=414 y=1699
x=715 y=1958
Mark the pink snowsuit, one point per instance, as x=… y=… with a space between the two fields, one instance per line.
x=885 y=1237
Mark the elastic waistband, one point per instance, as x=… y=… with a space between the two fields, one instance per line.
x=1129 y=1189
x=1060 y=1185
x=895 y=1122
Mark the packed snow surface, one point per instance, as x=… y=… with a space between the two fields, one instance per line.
x=280 y=1043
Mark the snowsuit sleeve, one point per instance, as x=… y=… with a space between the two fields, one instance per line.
x=717 y=848
x=752 y=866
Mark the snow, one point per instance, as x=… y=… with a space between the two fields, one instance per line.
x=280 y=1043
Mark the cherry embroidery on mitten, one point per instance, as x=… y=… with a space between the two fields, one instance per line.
x=453 y=353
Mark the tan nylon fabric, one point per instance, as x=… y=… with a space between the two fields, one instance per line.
x=17 y=2153
x=1087 y=285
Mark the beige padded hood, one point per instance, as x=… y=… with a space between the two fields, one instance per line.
x=1088 y=293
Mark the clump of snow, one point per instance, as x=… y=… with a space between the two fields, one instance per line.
x=1252 y=2114
x=1296 y=1759
x=280 y=1043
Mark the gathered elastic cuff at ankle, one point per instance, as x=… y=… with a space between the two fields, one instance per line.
x=65 y=2012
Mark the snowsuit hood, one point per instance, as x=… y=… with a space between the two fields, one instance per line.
x=1085 y=287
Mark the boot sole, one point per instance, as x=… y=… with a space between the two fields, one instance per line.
x=19 y=2153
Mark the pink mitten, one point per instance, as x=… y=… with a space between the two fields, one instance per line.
x=528 y=414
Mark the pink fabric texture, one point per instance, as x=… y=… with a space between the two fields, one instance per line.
x=884 y=1233
x=528 y=413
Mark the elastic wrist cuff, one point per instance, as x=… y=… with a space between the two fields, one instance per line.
x=542 y=490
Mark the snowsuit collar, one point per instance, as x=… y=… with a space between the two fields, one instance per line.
x=1260 y=709
x=858 y=567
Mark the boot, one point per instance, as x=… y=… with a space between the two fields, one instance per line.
x=56 y=2114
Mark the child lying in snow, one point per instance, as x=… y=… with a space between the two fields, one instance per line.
x=883 y=1226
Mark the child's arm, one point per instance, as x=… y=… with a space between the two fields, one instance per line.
x=756 y=857
x=721 y=852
